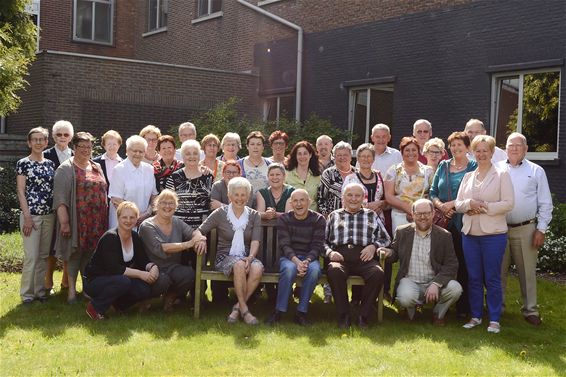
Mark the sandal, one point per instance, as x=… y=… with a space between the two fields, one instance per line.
x=234 y=318
x=473 y=322
x=252 y=321
x=494 y=327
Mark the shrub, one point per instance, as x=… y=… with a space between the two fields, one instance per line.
x=552 y=255
x=9 y=205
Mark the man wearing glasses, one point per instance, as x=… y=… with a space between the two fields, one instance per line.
x=428 y=265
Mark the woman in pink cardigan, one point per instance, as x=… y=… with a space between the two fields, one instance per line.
x=485 y=196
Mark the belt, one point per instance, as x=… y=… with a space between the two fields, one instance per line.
x=521 y=224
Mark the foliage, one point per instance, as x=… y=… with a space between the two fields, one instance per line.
x=17 y=51
x=59 y=339
x=552 y=255
x=226 y=118
x=9 y=205
x=11 y=252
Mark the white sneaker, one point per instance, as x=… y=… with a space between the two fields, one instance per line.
x=494 y=327
x=473 y=322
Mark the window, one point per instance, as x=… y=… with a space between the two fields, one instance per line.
x=208 y=7
x=528 y=102
x=157 y=14
x=33 y=9
x=278 y=107
x=94 y=21
x=369 y=106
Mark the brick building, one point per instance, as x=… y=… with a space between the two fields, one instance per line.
x=124 y=64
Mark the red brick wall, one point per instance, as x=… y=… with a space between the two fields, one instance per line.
x=56 y=22
x=96 y=95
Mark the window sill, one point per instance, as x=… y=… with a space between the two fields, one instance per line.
x=207 y=17
x=266 y=2
x=554 y=162
x=155 y=31
x=90 y=41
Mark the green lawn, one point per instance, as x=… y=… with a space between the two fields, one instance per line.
x=59 y=339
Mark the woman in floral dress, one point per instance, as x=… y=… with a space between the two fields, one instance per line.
x=80 y=199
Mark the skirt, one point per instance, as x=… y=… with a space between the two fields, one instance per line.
x=225 y=263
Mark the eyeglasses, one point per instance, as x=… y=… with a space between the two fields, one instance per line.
x=62 y=135
x=423 y=131
x=433 y=152
x=513 y=146
x=231 y=172
x=33 y=140
x=278 y=143
x=423 y=214
x=167 y=204
x=83 y=147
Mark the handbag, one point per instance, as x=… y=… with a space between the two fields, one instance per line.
x=440 y=218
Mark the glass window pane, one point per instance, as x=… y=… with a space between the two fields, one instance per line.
x=163 y=15
x=540 y=110
x=359 y=128
x=507 y=108
x=202 y=8
x=84 y=19
x=271 y=109
x=287 y=107
x=152 y=15
x=103 y=22
x=381 y=109
x=216 y=6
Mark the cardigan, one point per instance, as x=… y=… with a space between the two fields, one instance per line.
x=108 y=258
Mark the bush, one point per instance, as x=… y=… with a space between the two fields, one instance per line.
x=552 y=255
x=9 y=205
x=225 y=118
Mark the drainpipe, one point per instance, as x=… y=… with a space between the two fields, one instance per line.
x=2 y=125
x=299 y=51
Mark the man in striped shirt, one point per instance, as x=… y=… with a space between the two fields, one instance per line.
x=353 y=235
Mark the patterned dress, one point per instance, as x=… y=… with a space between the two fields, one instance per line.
x=92 y=211
x=330 y=190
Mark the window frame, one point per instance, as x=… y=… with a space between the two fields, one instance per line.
x=158 y=28
x=352 y=106
x=265 y=111
x=93 y=2
x=496 y=78
x=209 y=14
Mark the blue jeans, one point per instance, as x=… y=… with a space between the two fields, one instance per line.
x=118 y=290
x=484 y=255
x=288 y=273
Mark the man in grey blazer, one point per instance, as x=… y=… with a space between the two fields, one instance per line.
x=428 y=264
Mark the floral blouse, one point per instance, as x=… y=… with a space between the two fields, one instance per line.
x=162 y=172
x=409 y=188
x=92 y=210
x=329 y=195
x=39 y=184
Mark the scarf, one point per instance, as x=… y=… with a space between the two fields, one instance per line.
x=238 y=248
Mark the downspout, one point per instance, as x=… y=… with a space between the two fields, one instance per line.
x=299 y=51
x=2 y=125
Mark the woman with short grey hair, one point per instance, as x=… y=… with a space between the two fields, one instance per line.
x=331 y=181
x=239 y=234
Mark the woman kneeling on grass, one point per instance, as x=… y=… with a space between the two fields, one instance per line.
x=239 y=234
x=119 y=273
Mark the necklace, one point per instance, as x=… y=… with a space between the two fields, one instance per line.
x=458 y=167
x=367 y=178
x=345 y=172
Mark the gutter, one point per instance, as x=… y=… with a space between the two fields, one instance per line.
x=299 y=51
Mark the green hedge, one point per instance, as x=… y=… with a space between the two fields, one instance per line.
x=552 y=256
x=9 y=206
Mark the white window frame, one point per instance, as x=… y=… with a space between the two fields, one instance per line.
x=266 y=2
x=201 y=16
x=34 y=9
x=158 y=21
x=495 y=101
x=77 y=39
x=352 y=107
x=277 y=108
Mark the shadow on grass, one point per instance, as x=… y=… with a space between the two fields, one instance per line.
x=544 y=345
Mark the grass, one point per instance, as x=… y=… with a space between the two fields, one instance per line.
x=58 y=339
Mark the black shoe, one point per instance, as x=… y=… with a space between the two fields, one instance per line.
x=301 y=319
x=43 y=299
x=363 y=322
x=274 y=318
x=344 y=322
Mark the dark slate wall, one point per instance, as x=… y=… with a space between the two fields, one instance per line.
x=440 y=61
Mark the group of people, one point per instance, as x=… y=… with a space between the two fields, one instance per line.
x=133 y=226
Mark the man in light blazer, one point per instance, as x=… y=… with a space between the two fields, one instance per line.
x=428 y=264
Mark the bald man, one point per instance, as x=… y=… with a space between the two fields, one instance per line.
x=300 y=233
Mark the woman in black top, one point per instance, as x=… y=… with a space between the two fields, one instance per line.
x=119 y=273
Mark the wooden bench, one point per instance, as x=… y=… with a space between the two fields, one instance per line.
x=269 y=255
